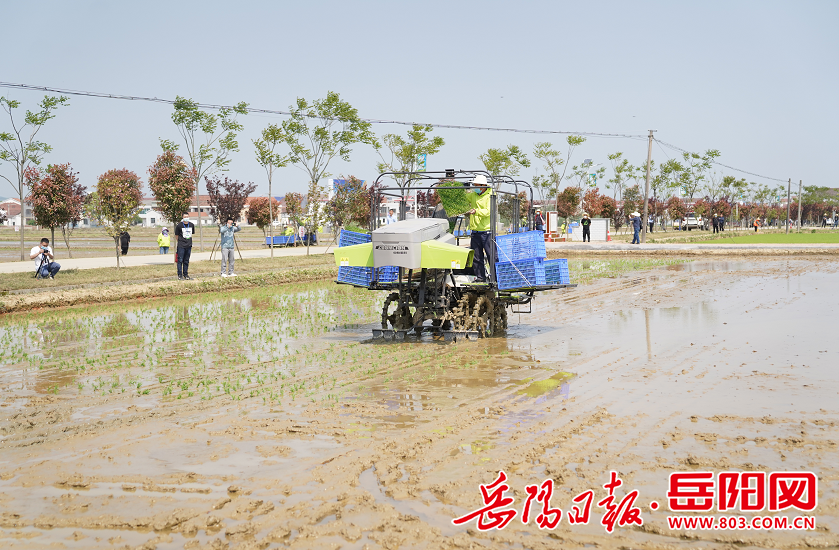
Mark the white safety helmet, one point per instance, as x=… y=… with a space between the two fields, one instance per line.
x=479 y=179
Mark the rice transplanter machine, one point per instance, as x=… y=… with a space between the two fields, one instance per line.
x=429 y=274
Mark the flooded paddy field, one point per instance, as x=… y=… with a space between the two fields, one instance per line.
x=268 y=418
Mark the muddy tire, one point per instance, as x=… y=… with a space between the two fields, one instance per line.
x=499 y=318
x=400 y=318
x=483 y=317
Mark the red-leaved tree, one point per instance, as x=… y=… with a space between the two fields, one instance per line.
x=259 y=213
x=115 y=202
x=593 y=203
x=228 y=198
x=173 y=184
x=57 y=199
x=567 y=202
x=676 y=208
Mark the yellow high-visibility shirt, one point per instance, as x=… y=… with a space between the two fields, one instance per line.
x=479 y=221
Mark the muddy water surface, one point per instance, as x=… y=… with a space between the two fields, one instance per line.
x=270 y=419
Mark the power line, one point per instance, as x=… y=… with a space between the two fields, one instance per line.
x=721 y=164
x=639 y=137
x=287 y=113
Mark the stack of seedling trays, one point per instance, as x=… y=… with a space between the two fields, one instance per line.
x=556 y=272
x=522 y=263
x=362 y=276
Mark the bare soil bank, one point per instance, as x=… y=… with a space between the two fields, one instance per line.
x=117 y=293
x=267 y=418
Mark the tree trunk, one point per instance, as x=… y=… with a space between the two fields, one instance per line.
x=198 y=206
x=116 y=247
x=65 y=231
x=270 y=216
x=22 y=221
x=52 y=238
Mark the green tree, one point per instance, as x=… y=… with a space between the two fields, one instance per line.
x=209 y=140
x=621 y=171
x=673 y=176
x=547 y=185
x=552 y=160
x=695 y=168
x=21 y=148
x=316 y=133
x=115 y=202
x=581 y=174
x=172 y=183
x=294 y=208
x=57 y=199
x=270 y=160
x=349 y=204
x=405 y=151
x=505 y=162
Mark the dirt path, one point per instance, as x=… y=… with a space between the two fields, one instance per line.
x=267 y=419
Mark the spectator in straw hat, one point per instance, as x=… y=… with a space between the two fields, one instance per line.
x=636 y=228
x=539 y=221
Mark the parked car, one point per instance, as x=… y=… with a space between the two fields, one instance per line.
x=691 y=221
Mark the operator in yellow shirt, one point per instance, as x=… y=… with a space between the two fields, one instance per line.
x=479 y=223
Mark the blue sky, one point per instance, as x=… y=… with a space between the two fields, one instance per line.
x=756 y=80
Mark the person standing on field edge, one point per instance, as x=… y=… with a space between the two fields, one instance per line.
x=184 y=231
x=124 y=239
x=163 y=240
x=716 y=223
x=539 y=221
x=228 y=246
x=586 y=223
x=651 y=221
x=636 y=228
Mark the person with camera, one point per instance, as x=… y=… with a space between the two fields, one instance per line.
x=43 y=256
x=228 y=245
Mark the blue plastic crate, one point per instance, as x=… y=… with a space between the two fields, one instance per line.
x=358 y=276
x=349 y=238
x=556 y=272
x=521 y=246
x=520 y=273
x=387 y=274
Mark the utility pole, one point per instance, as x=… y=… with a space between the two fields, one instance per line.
x=799 y=206
x=789 y=185
x=644 y=223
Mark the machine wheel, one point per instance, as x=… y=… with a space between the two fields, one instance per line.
x=400 y=318
x=483 y=319
x=499 y=318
